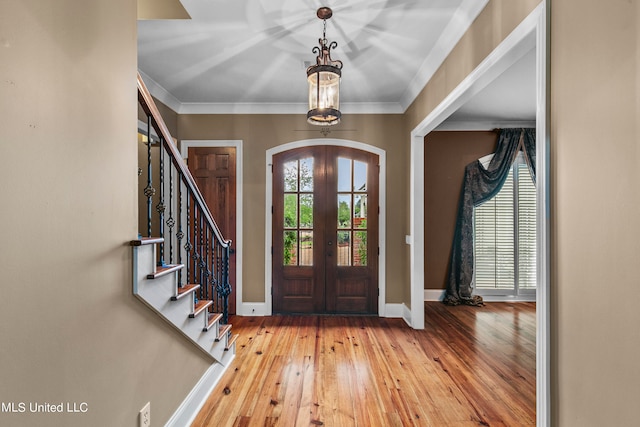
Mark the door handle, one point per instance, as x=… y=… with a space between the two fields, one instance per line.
x=330 y=243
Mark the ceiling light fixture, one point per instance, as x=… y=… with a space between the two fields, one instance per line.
x=324 y=80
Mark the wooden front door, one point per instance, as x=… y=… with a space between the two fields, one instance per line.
x=325 y=231
x=214 y=169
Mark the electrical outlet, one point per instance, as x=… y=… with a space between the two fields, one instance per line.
x=145 y=415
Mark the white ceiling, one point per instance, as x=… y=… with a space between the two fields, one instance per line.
x=251 y=56
x=509 y=100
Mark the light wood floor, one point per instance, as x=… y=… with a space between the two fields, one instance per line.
x=470 y=366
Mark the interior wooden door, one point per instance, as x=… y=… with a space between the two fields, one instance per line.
x=325 y=231
x=214 y=169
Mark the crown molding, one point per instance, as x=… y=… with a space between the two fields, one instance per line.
x=281 y=108
x=161 y=94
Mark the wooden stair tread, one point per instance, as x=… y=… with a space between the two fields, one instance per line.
x=164 y=270
x=185 y=290
x=213 y=318
x=146 y=241
x=233 y=339
x=224 y=329
x=200 y=307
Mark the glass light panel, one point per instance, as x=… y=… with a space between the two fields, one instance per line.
x=291 y=176
x=344 y=210
x=306 y=210
x=306 y=174
x=360 y=248
x=360 y=211
x=291 y=211
x=344 y=174
x=359 y=176
x=290 y=256
x=344 y=248
x=306 y=248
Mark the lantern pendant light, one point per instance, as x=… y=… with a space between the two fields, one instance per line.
x=324 y=80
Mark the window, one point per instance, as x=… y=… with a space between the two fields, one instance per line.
x=505 y=237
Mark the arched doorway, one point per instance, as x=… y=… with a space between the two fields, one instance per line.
x=325 y=230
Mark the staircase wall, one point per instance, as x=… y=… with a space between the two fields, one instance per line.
x=71 y=329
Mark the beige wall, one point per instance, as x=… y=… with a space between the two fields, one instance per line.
x=498 y=19
x=261 y=132
x=446 y=154
x=72 y=331
x=595 y=173
x=70 y=328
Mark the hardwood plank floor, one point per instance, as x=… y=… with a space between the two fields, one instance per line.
x=470 y=366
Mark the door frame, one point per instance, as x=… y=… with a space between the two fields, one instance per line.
x=507 y=53
x=237 y=244
x=268 y=266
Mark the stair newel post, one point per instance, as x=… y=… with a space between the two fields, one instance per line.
x=149 y=191
x=161 y=207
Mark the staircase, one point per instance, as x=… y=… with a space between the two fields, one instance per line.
x=182 y=272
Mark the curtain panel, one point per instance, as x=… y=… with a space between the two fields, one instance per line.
x=479 y=185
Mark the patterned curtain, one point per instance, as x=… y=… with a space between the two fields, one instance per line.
x=480 y=185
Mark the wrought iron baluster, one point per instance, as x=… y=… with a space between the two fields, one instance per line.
x=203 y=284
x=188 y=246
x=180 y=236
x=218 y=280
x=149 y=191
x=207 y=266
x=226 y=285
x=171 y=221
x=196 y=253
x=160 y=207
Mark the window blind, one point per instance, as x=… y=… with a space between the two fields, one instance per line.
x=505 y=235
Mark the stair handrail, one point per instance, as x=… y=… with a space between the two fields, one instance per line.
x=149 y=106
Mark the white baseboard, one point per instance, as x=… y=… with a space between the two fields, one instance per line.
x=393 y=310
x=253 y=309
x=434 y=294
x=398 y=311
x=189 y=408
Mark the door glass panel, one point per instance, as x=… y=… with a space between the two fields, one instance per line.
x=298 y=212
x=290 y=248
x=344 y=210
x=306 y=248
x=360 y=248
x=359 y=176
x=344 y=248
x=352 y=212
x=290 y=210
x=306 y=211
x=306 y=174
x=291 y=176
x=344 y=174
x=360 y=211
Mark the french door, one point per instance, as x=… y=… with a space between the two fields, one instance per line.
x=325 y=231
